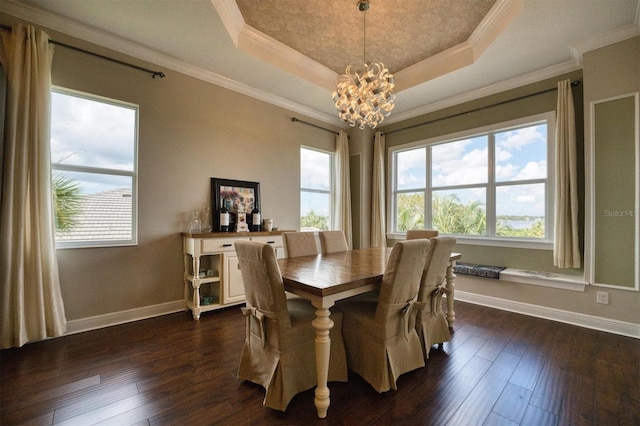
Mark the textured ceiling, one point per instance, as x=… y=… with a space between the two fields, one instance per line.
x=398 y=33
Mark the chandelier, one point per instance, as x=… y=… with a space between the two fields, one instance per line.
x=364 y=97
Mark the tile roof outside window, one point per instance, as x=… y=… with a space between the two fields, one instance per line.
x=104 y=216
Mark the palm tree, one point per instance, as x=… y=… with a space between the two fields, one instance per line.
x=314 y=220
x=67 y=201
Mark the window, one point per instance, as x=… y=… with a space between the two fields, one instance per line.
x=94 y=170
x=316 y=190
x=492 y=183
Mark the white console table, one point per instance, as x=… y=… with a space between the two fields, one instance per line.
x=212 y=279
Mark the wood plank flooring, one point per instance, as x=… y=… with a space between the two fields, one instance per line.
x=500 y=368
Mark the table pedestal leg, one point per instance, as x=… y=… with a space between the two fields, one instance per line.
x=451 y=315
x=322 y=323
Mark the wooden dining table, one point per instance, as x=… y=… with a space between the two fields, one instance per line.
x=326 y=278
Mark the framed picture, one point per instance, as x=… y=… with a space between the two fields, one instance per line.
x=233 y=194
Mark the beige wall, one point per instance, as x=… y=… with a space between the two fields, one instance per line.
x=607 y=72
x=189 y=131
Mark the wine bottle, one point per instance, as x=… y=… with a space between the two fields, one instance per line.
x=255 y=219
x=224 y=219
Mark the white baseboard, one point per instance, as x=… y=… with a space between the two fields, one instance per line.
x=582 y=320
x=130 y=315
x=574 y=318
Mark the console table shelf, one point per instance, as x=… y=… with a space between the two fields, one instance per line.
x=212 y=279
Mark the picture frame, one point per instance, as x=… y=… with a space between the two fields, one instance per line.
x=230 y=193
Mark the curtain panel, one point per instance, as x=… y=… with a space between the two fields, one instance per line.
x=342 y=210
x=31 y=306
x=566 y=246
x=378 y=234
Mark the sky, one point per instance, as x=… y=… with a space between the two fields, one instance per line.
x=315 y=173
x=89 y=133
x=520 y=155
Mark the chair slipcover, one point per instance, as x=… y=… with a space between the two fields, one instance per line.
x=333 y=241
x=413 y=234
x=380 y=335
x=300 y=244
x=431 y=324
x=279 y=347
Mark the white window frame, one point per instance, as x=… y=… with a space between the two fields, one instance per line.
x=491 y=185
x=331 y=192
x=133 y=174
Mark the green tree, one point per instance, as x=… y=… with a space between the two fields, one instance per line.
x=314 y=220
x=451 y=216
x=410 y=211
x=66 y=202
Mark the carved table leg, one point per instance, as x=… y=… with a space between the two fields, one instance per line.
x=196 y=287
x=322 y=323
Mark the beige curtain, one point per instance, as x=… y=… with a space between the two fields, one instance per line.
x=378 y=235
x=31 y=306
x=342 y=205
x=566 y=247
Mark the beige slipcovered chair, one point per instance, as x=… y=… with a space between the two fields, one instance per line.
x=379 y=334
x=300 y=244
x=279 y=347
x=431 y=323
x=413 y=234
x=333 y=242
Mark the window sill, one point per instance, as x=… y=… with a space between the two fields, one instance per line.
x=545 y=279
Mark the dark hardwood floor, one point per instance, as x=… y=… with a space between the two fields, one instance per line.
x=500 y=368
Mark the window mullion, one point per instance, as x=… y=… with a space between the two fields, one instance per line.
x=491 y=186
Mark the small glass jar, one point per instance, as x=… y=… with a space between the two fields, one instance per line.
x=195 y=223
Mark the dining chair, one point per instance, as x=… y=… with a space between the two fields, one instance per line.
x=431 y=323
x=333 y=241
x=279 y=346
x=413 y=234
x=380 y=334
x=299 y=244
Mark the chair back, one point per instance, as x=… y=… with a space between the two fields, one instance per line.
x=262 y=280
x=413 y=234
x=333 y=241
x=300 y=244
x=400 y=284
x=435 y=269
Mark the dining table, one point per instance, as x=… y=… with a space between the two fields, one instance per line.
x=324 y=279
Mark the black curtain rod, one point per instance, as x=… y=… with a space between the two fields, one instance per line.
x=154 y=74
x=293 y=119
x=573 y=84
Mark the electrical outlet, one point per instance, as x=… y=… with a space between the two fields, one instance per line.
x=602 y=297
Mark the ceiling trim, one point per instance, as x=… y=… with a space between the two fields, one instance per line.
x=138 y=52
x=606 y=39
x=492 y=89
x=261 y=46
x=499 y=17
x=266 y=48
x=231 y=17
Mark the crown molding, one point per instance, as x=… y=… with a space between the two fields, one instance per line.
x=266 y=48
x=605 y=39
x=127 y=47
x=231 y=18
x=502 y=86
x=495 y=22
